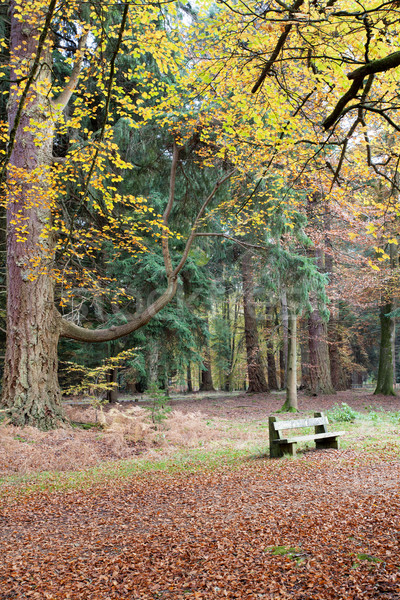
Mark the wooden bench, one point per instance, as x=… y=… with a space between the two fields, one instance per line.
x=279 y=445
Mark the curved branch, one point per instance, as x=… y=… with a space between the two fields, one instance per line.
x=81 y=334
x=375 y=66
x=345 y=99
x=167 y=211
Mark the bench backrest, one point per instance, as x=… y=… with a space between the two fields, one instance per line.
x=298 y=423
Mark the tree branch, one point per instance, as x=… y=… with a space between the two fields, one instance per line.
x=196 y=222
x=167 y=211
x=63 y=98
x=375 y=66
x=75 y=332
x=81 y=334
x=246 y=245
x=275 y=53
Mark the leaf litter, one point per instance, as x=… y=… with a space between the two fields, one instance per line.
x=325 y=525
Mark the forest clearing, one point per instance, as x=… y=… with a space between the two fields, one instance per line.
x=199 y=264
x=211 y=516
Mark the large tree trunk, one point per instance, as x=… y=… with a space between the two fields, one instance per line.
x=384 y=384
x=255 y=370
x=30 y=390
x=340 y=375
x=319 y=362
x=206 y=384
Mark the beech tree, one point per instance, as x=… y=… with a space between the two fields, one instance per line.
x=31 y=393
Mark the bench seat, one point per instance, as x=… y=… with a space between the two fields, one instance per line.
x=309 y=438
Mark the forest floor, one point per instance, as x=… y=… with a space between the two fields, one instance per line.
x=199 y=511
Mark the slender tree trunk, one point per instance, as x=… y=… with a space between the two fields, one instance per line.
x=282 y=368
x=384 y=384
x=112 y=395
x=30 y=391
x=394 y=352
x=206 y=382
x=304 y=355
x=154 y=353
x=291 y=388
x=284 y=354
x=272 y=375
x=189 y=378
x=257 y=382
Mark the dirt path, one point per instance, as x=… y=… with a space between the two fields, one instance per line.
x=211 y=535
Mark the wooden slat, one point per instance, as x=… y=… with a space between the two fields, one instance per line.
x=309 y=438
x=312 y=422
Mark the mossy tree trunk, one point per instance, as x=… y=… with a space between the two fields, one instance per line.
x=291 y=403
x=206 y=384
x=385 y=383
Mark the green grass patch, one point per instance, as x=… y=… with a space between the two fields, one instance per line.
x=182 y=462
x=295 y=554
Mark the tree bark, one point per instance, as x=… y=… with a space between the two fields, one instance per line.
x=319 y=362
x=255 y=370
x=284 y=355
x=291 y=388
x=206 y=376
x=153 y=360
x=384 y=384
x=189 y=378
x=282 y=368
x=340 y=376
x=112 y=395
x=271 y=364
x=304 y=355
x=31 y=393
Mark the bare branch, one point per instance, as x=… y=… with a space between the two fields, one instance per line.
x=197 y=221
x=167 y=212
x=275 y=53
x=233 y=239
x=63 y=98
x=376 y=66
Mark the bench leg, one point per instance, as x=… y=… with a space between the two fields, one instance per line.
x=287 y=449
x=329 y=443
